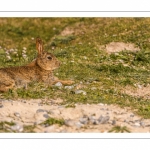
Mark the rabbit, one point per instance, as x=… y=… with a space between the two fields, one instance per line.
x=39 y=70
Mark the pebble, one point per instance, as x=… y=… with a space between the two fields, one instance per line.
x=137 y=124
x=142 y=124
x=1 y=106
x=132 y=115
x=83 y=120
x=94 y=121
x=101 y=104
x=58 y=84
x=113 y=122
x=69 y=87
x=46 y=116
x=17 y=114
x=40 y=110
x=104 y=120
x=17 y=127
x=69 y=123
x=79 y=125
x=80 y=92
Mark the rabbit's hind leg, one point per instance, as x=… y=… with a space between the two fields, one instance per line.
x=5 y=85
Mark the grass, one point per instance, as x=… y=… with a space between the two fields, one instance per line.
x=82 y=59
x=52 y=121
x=119 y=129
x=4 y=126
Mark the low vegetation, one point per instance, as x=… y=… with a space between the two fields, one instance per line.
x=77 y=43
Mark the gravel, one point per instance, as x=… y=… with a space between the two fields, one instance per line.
x=81 y=118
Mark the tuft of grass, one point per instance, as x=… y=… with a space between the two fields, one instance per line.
x=119 y=129
x=29 y=128
x=4 y=126
x=51 y=121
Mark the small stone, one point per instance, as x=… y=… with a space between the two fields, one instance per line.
x=79 y=125
x=69 y=87
x=40 y=110
x=101 y=104
x=58 y=84
x=104 y=120
x=95 y=122
x=69 y=123
x=137 y=124
x=83 y=120
x=1 y=106
x=113 y=122
x=132 y=115
x=17 y=114
x=142 y=124
x=80 y=92
x=17 y=127
x=46 y=116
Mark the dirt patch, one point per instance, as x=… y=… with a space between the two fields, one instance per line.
x=114 y=47
x=90 y=118
x=140 y=91
x=78 y=29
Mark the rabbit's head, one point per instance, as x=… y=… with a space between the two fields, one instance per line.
x=45 y=60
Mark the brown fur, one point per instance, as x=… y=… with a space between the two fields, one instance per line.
x=40 y=70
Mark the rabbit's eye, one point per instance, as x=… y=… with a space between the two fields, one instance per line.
x=49 y=57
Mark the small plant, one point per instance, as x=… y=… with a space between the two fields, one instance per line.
x=119 y=129
x=29 y=128
x=52 y=121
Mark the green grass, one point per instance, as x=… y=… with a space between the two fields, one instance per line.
x=119 y=129
x=81 y=58
x=4 y=126
x=52 y=121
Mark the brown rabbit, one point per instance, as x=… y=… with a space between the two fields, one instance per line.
x=40 y=70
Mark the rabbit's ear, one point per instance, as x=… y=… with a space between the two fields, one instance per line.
x=39 y=45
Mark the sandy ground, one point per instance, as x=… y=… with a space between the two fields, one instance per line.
x=99 y=118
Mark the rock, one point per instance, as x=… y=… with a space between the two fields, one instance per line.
x=80 y=92
x=113 y=122
x=101 y=104
x=69 y=87
x=17 y=127
x=46 y=116
x=83 y=120
x=1 y=106
x=132 y=115
x=142 y=124
x=103 y=120
x=100 y=118
x=40 y=110
x=79 y=125
x=58 y=84
x=51 y=128
x=17 y=114
x=137 y=124
x=94 y=121
x=69 y=123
